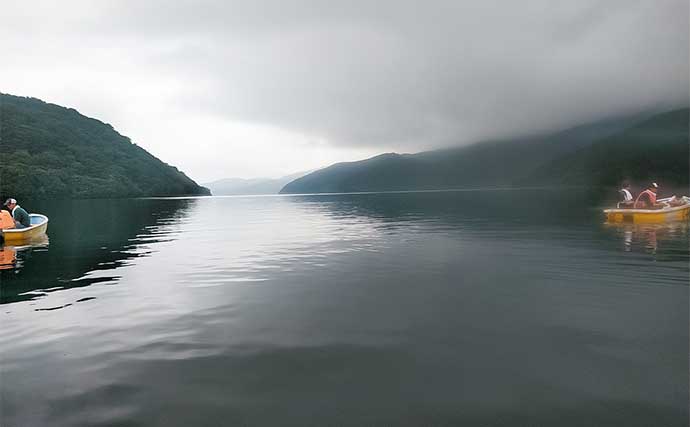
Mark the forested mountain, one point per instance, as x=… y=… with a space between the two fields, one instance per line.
x=600 y=153
x=657 y=149
x=49 y=151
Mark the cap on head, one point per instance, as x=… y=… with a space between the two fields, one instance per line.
x=10 y=202
x=653 y=185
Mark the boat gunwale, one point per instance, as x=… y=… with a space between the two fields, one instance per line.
x=648 y=211
x=27 y=229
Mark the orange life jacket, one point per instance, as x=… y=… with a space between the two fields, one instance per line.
x=6 y=220
x=652 y=199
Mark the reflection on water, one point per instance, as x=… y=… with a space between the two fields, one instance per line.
x=468 y=308
x=88 y=239
x=648 y=237
x=8 y=258
x=13 y=257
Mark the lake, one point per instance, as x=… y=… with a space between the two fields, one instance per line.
x=477 y=308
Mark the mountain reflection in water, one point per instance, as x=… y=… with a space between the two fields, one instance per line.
x=88 y=238
x=492 y=308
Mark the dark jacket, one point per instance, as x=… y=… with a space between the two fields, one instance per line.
x=21 y=216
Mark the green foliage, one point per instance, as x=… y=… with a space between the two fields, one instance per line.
x=48 y=151
x=654 y=150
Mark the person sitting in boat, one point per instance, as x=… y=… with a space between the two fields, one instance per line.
x=626 y=198
x=647 y=198
x=21 y=217
x=6 y=220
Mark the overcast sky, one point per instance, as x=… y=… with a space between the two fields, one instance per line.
x=271 y=87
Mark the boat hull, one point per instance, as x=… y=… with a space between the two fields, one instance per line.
x=648 y=216
x=39 y=226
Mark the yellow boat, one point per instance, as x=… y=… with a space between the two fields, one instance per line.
x=38 y=227
x=651 y=216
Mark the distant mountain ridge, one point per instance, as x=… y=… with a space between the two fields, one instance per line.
x=251 y=186
x=538 y=160
x=50 y=151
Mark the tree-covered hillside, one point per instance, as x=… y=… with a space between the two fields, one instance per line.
x=539 y=160
x=50 y=151
x=658 y=149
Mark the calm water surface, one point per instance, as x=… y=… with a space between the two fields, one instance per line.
x=497 y=308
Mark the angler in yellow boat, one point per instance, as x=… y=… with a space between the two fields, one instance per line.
x=625 y=196
x=647 y=198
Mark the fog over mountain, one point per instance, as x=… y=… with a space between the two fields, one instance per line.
x=601 y=154
x=312 y=82
x=252 y=186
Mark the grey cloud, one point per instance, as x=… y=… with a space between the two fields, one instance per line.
x=406 y=74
